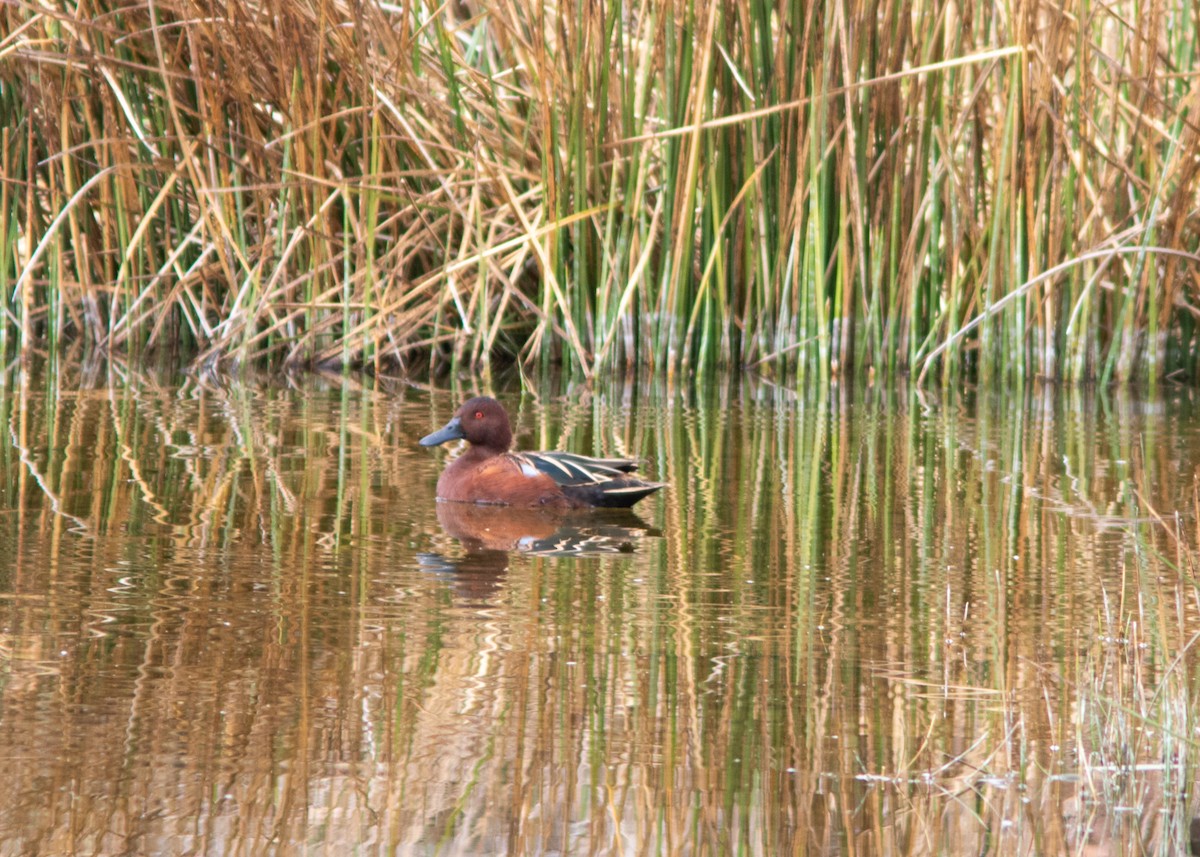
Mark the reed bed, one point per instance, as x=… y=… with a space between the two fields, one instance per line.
x=998 y=191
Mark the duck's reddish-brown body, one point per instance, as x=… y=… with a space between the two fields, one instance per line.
x=480 y=475
x=489 y=473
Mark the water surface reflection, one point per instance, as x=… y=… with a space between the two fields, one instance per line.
x=236 y=621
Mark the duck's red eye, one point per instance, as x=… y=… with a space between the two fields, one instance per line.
x=479 y=415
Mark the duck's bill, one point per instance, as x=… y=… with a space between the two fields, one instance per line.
x=451 y=431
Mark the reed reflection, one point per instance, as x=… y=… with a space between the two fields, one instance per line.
x=233 y=615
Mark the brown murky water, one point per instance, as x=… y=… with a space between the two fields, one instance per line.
x=233 y=620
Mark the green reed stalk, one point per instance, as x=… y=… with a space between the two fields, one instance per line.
x=8 y=233
x=990 y=332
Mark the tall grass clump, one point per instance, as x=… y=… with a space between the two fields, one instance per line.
x=1002 y=190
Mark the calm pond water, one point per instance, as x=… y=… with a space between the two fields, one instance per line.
x=233 y=620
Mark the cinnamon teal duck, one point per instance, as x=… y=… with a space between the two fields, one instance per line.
x=489 y=472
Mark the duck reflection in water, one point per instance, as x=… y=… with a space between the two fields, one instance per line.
x=491 y=535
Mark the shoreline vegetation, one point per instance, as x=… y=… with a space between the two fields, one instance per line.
x=996 y=192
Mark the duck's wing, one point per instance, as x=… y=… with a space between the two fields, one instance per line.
x=624 y=465
x=595 y=481
x=567 y=468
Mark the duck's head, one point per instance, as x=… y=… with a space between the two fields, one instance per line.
x=481 y=421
